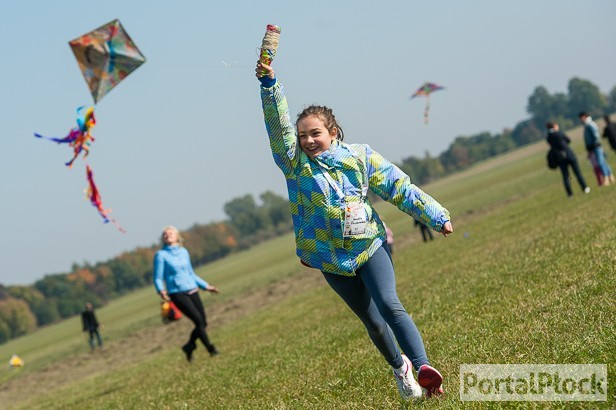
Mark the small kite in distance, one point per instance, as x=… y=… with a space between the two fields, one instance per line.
x=95 y=199
x=78 y=137
x=425 y=90
x=106 y=56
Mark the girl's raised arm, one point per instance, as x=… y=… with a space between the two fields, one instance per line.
x=283 y=141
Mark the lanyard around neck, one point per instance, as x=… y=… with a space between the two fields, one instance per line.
x=338 y=189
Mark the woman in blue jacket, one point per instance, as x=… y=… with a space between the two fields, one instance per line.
x=338 y=232
x=176 y=281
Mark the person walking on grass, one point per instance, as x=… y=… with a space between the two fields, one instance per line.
x=559 y=142
x=596 y=155
x=90 y=324
x=176 y=281
x=609 y=132
x=426 y=233
x=338 y=232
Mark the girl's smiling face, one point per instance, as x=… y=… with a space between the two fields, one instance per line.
x=314 y=137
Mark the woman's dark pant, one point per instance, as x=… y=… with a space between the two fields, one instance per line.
x=425 y=233
x=190 y=305
x=371 y=295
x=565 y=163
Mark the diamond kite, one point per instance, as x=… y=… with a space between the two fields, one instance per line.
x=425 y=90
x=106 y=56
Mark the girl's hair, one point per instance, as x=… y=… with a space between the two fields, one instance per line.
x=326 y=115
x=173 y=228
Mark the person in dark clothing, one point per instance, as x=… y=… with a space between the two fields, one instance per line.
x=610 y=132
x=559 y=142
x=91 y=325
x=425 y=231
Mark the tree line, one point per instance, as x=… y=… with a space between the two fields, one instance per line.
x=58 y=296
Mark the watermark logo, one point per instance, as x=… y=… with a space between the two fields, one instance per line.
x=533 y=382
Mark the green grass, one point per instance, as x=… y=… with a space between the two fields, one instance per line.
x=527 y=277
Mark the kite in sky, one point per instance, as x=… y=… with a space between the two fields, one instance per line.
x=95 y=199
x=425 y=90
x=106 y=56
x=78 y=137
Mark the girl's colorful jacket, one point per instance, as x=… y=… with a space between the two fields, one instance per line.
x=316 y=208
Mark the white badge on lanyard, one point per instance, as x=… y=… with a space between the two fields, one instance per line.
x=355 y=215
x=355 y=219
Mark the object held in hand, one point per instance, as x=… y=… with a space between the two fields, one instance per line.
x=269 y=45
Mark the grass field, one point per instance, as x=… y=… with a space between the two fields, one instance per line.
x=527 y=277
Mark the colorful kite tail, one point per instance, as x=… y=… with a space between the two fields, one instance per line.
x=66 y=140
x=427 y=111
x=117 y=225
x=70 y=163
x=107 y=219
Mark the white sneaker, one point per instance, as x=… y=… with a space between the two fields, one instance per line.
x=586 y=190
x=407 y=385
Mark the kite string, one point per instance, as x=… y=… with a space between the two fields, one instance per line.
x=222 y=65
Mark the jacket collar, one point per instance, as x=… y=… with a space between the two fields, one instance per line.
x=328 y=158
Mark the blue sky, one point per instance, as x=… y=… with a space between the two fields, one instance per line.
x=183 y=134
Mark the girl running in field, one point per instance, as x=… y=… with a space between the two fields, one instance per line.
x=339 y=232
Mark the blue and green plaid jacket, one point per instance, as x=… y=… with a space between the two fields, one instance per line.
x=317 y=210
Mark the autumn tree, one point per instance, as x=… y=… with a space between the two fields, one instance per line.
x=16 y=317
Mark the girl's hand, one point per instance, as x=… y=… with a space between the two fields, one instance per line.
x=264 y=70
x=212 y=289
x=447 y=229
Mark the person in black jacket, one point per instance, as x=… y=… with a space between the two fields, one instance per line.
x=559 y=142
x=425 y=231
x=91 y=325
x=610 y=132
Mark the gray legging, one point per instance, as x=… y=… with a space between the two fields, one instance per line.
x=371 y=295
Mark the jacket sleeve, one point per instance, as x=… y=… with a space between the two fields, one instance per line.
x=159 y=271
x=394 y=186
x=200 y=282
x=283 y=141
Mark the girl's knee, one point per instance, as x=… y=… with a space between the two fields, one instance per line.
x=393 y=311
x=376 y=329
